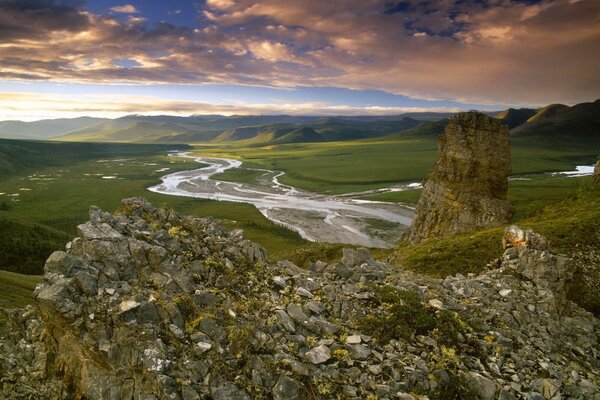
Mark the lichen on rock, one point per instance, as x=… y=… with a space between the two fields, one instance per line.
x=148 y=304
x=467 y=188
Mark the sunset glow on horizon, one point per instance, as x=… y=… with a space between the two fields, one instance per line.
x=67 y=58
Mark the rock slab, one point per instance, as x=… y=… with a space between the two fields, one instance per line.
x=467 y=189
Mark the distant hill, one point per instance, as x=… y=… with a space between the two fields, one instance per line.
x=547 y=112
x=576 y=126
x=44 y=129
x=515 y=117
x=251 y=129
x=425 y=129
x=555 y=121
x=555 y=125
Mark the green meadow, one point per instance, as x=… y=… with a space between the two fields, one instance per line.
x=47 y=188
x=348 y=166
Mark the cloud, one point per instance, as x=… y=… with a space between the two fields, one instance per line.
x=126 y=9
x=486 y=52
x=31 y=106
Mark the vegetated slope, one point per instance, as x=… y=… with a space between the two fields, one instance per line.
x=16 y=289
x=171 y=129
x=572 y=226
x=253 y=129
x=20 y=155
x=25 y=245
x=44 y=129
x=425 y=129
x=547 y=112
x=577 y=126
x=220 y=331
x=514 y=117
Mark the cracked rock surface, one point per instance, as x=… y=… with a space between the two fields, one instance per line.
x=148 y=304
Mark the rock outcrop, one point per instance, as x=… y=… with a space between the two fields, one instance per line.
x=146 y=304
x=596 y=176
x=467 y=188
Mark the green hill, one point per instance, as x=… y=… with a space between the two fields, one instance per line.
x=547 y=112
x=514 y=117
x=44 y=129
x=560 y=127
x=424 y=130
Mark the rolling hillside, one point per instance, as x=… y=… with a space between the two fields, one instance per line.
x=514 y=117
x=555 y=124
x=44 y=129
x=577 y=126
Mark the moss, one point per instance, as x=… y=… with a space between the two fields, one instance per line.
x=457 y=388
x=464 y=253
x=400 y=314
x=572 y=226
x=240 y=338
x=193 y=322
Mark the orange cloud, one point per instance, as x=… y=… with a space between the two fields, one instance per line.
x=501 y=53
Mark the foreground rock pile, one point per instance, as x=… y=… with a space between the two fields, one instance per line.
x=146 y=304
x=467 y=188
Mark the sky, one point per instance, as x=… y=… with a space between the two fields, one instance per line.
x=107 y=58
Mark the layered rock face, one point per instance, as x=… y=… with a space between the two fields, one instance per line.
x=145 y=304
x=467 y=188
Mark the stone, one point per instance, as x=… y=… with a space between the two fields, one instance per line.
x=546 y=387
x=63 y=263
x=202 y=347
x=318 y=355
x=286 y=321
x=436 y=303
x=303 y=292
x=86 y=282
x=279 y=282
x=159 y=327
x=467 y=189
x=296 y=313
x=102 y=231
x=286 y=389
x=228 y=391
x=517 y=237
x=353 y=339
x=358 y=351
x=128 y=305
x=484 y=386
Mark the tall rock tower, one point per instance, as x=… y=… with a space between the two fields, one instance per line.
x=467 y=189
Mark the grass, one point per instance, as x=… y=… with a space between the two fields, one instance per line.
x=526 y=195
x=410 y=196
x=48 y=187
x=241 y=175
x=16 y=290
x=569 y=224
x=54 y=200
x=348 y=166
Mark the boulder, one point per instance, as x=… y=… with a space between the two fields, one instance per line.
x=129 y=315
x=467 y=188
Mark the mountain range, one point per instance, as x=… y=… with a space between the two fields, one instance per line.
x=556 y=122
